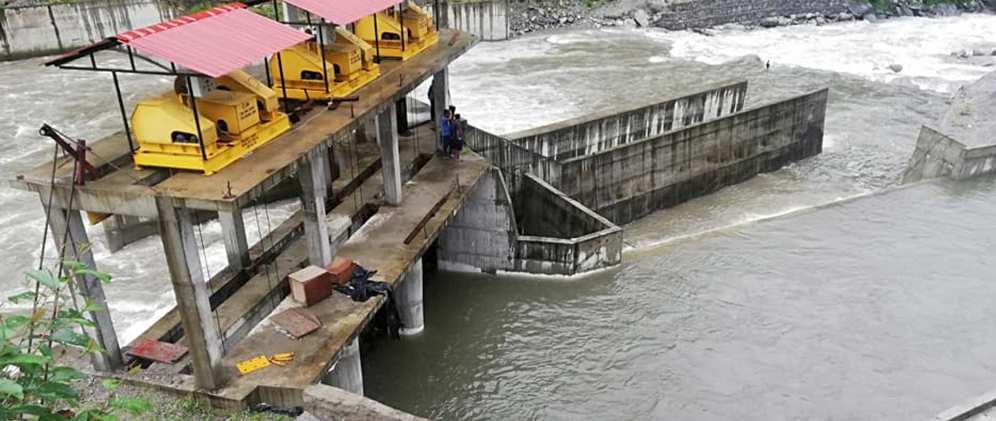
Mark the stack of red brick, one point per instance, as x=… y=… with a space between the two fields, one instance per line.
x=314 y=284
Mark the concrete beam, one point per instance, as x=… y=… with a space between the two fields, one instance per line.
x=192 y=293
x=122 y=230
x=233 y=228
x=347 y=372
x=387 y=138
x=410 y=301
x=328 y=403
x=312 y=174
x=70 y=236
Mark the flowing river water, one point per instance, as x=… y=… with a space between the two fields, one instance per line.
x=821 y=291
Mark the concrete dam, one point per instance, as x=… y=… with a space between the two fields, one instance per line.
x=627 y=163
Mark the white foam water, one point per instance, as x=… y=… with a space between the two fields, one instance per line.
x=922 y=46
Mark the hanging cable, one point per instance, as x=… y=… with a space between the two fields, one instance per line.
x=207 y=278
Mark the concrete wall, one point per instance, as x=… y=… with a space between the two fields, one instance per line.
x=40 y=30
x=488 y=19
x=630 y=181
x=482 y=235
x=706 y=13
x=594 y=133
x=937 y=155
x=559 y=236
x=513 y=160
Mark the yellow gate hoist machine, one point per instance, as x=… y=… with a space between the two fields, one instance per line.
x=400 y=35
x=348 y=60
x=235 y=116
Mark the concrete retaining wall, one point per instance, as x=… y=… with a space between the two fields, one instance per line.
x=40 y=30
x=482 y=235
x=560 y=236
x=707 y=13
x=595 y=133
x=630 y=181
x=513 y=160
x=937 y=155
x=488 y=19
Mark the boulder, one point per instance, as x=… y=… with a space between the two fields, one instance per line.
x=871 y=17
x=896 y=68
x=944 y=9
x=641 y=17
x=860 y=9
x=770 y=22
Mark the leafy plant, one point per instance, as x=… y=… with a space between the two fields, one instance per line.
x=35 y=380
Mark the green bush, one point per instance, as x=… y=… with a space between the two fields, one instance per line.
x=35 y=380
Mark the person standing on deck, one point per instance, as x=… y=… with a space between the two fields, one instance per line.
x=445 y=132
x=459 y=130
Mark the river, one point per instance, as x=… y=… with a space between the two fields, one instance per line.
x=818 y=291
x=821 y=291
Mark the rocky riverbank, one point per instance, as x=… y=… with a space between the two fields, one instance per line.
x=528 y=16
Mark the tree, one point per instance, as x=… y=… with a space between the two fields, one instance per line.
x=35 y=379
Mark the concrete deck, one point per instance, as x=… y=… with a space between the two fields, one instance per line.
x=241 y=297
x=378 y=245
x=127 y=191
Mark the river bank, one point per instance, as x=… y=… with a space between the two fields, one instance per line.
x=529 y=16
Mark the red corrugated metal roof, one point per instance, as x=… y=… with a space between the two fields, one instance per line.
x=214 y=42
x=342 y=12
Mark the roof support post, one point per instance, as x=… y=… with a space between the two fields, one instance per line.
x=70 y=236
x=266 y=66
x=124 y=114
x=376 y=38
x=401 y=17
x=192 y=292
x=283 y=82
x=197 y=117
x=321 y=46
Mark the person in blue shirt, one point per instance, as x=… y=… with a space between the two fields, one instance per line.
x=445 y=132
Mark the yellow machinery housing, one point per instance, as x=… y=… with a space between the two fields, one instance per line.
x=348 y=60
x=236 y=118
x=419 y=33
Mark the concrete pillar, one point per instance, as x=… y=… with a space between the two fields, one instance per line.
x=367 y=131
x=311 y=173
x=439 y=101
x=409 y=298
x=233 y=228
x=401 y=110
x=76 y=246
x=290 y=13
x=347 y=373
x=122 y=230
x=192 y=293
x=387 y=138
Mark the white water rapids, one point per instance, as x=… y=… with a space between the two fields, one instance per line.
x=508 y=86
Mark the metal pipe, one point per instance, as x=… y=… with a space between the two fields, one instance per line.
x=128 y=71
x=436 y=12
x=376 y=37
x=401 y=15
x=266 y=67
x=93 y=61
x=124 y=114
x=283 y=81
x=197 y=117
x=321 y=45
x=131 y=58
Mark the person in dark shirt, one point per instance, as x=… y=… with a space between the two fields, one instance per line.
x=459 y=130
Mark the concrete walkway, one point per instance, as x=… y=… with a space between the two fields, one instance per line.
x=434 y=195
